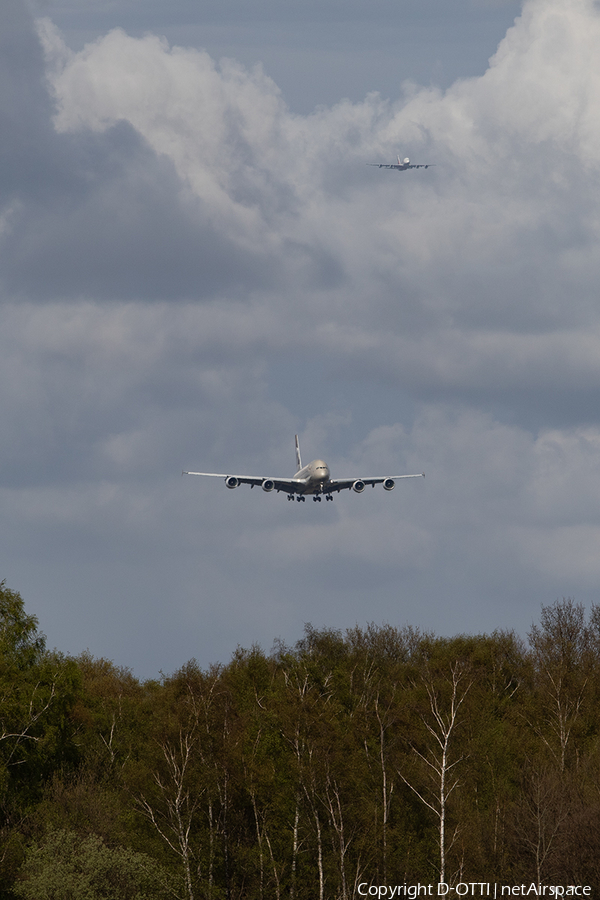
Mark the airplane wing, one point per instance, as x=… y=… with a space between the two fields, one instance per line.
x=343 y=484
x=289 y=485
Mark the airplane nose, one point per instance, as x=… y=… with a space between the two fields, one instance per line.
x=321 y=470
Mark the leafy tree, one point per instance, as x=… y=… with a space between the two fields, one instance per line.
x=561 y=651
x=446 y=689
x=65 y=867
x=380 y=752
x=540 y=815
x=37 y=693
x=113 y=712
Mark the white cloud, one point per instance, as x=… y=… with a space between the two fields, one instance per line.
x=492 y=255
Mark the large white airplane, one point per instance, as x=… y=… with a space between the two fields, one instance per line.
x=311 y=479
x=402 y=165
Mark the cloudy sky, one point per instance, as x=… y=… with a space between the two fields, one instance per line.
x=196 y=263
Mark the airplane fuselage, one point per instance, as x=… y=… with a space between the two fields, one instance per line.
x=315 y=476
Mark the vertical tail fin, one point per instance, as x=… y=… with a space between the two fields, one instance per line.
x=298 y=459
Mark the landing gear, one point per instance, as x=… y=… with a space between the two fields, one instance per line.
x=329 y=497
x=315 y=498
x=301 y=498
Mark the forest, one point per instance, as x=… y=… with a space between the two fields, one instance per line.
x=377 y=756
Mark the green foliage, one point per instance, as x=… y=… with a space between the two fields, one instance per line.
x=65 y=867
x=37 y=693
x=20 y=644
x=380 y=754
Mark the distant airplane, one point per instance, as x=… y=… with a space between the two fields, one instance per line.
x=311 y=479
x=402 y=165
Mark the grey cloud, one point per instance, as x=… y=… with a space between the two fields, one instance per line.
x=120 y=229
x=98 y=215
x=26 y=149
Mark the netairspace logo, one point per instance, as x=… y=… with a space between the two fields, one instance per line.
x=472 y=889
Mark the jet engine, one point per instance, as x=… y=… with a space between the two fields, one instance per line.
x=232 y=482
x=268 y=484
x=358 y=486
x=389 y=484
